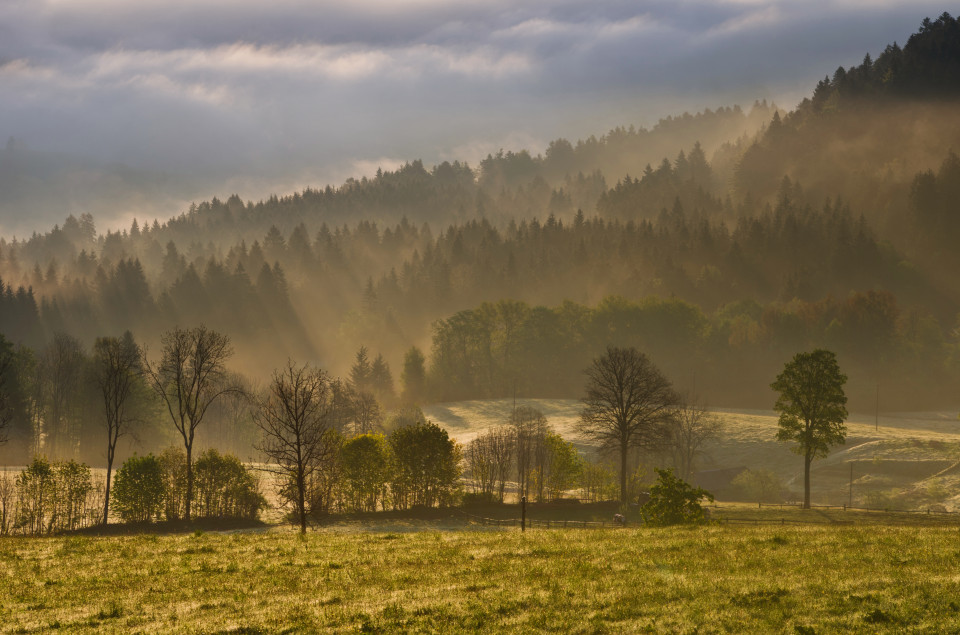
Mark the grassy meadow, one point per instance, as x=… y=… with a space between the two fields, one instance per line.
x=717 y=578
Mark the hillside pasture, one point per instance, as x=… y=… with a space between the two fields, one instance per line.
x=900 y=460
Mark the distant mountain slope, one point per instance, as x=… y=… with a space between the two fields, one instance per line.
x=866 y=132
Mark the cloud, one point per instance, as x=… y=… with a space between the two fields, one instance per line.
x=229 y=92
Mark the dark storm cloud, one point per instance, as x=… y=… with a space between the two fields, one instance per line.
x=253 y=95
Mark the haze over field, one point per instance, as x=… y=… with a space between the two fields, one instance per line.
x=282 y=232
x=134 y=110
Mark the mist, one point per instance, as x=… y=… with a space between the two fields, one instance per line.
x=144 y=110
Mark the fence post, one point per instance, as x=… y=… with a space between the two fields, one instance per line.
x=523 y=514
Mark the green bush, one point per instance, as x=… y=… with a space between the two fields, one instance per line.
x=173 y=462
x=761 y=486
x=427 y=466
x=139 y=490
x=673 y=501
x=224 y=488
x=479 y=498
x=53 y=497
x=366 y=470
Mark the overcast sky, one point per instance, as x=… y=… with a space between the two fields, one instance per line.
x=255 y=97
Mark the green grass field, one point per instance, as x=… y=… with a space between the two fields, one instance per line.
x=720 y=578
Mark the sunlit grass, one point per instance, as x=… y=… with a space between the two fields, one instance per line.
x=709 y=579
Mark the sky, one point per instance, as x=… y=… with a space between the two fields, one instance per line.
x=136 y=108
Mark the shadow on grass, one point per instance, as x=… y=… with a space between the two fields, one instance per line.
x=573 y=511
x=170 y=527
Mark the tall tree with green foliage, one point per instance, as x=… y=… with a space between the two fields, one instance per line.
x=361 y=373
x=11 y=394
x=381 y=380
x=812 y=407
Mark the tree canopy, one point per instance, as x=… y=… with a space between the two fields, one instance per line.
x=812 y=407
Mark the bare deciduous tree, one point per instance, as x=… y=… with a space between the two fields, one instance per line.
x=530 y=441
x=61 y=364
x=188 y=378
x=693 y=427
x=116 y=368
x=490 y=460
x=367 y=412
x=529 y=429
x=628 y=404
x=294 y=415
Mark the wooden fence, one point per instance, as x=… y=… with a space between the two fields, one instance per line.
x=848 y=508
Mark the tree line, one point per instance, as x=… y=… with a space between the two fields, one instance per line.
x=316 y=436
x=324 y=460
x=506 y=348
x=789 y=253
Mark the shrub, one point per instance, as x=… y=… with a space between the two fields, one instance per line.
x=53 y=497
x=8 y=503
x=34 y=493
x=72 y=486
x=173 y=462
x=427 y=466
x=139 y=489
x=565 y=465
x=673 y=501
x=225 y=488
x=761 y=486
x=365 y=462
x=598 y=482
x=480 y=498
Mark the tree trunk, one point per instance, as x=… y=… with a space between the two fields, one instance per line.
x=806 y=481
x=623 y=474
x=302 y=502
x=189 y=480
x=106 y=494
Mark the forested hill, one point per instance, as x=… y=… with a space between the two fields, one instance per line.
x=866 y=132
x=722 y=242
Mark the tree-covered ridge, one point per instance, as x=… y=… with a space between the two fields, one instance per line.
x=566 y=176
x=865 y=132
x=327 y=294
x=928 y=66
